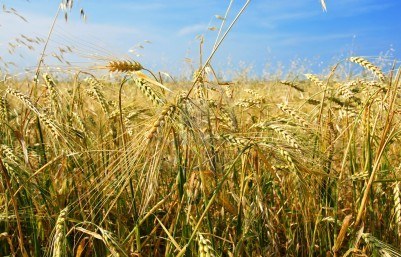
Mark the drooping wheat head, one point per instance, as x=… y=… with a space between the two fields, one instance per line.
x=98 y=94
x=315 y=80
x=164 y=117
x=149 y=92
x=293 y=85
x=369 y=66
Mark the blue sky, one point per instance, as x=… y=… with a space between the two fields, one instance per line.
x=270 y=35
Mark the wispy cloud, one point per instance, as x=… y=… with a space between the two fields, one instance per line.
x=295 y=40
x=139 y=7
x=192 y=29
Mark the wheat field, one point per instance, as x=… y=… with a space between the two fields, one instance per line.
x=137 y=165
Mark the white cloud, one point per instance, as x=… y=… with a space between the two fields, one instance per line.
x=192 y=29
x=293 y=40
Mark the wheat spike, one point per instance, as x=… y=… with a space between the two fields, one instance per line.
x=166 y=114
x=228 y=90
x=59 y=243
x=99 y=95
x=205 y=248
x=148 y=92
x=368 y=65
x=255 y=94
x=343 y=231
x=8 y=152
x=249 y=102
x=3 y=110
x=199 y=76
x=124 y=66
x=345 y=91
x=397 y=207
x=42 y=117
x=51 y=86
x=315 y=80
x=377 y=246
x=110 y=242
x=286 y=135
x=288 y=158
x=228 y=119
x=236 y=141
x=292 y=84
x=293 y=113
x=23 y=98
x=49 y=125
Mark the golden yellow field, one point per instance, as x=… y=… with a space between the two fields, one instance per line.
x=92 y=167
x=121 y=160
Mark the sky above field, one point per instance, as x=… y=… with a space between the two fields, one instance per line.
x=269 y=36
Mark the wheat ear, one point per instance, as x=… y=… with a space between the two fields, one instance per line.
x=292 y=84
x=23 y=98
x=315 y=80
x=124 y=66
x=167 y=113
x=59 y=243
x=3 y=110
x=286 y=135
x=293 y=113
x=397 y=207
x=110 y=242
x=148 y=92
x=51 y=86
x=42 y=117
x=205 y=248
x=8 y=152
x=369 y=66
x=99 y=95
